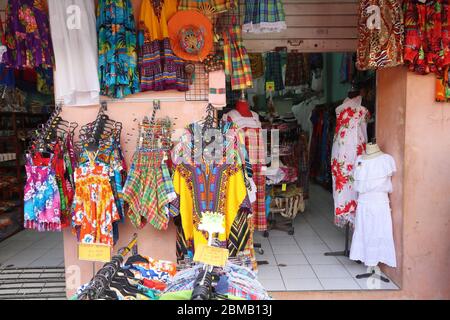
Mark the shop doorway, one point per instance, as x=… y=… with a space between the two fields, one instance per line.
x=311 y=254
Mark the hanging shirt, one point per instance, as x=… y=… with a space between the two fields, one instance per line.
x=74 y=37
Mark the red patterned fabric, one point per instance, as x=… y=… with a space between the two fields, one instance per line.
x=255 y=147
x=427 y=42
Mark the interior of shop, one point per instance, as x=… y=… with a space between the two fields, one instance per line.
x=295 y=239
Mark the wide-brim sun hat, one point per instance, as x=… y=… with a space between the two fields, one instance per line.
x=191 y=35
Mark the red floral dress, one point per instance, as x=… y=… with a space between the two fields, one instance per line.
x=349 y=141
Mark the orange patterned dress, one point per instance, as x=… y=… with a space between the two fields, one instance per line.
x=95 y=208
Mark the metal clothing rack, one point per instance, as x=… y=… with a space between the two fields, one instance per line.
x=104 y=276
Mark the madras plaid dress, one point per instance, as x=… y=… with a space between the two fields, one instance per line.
x=146 y=191
x=237 y=62
x=217 y=5
x=264 y=16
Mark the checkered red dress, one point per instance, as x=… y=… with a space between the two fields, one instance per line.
x=255 y=146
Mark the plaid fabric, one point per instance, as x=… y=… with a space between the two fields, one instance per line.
x=259 y=206
x=237 y=62
x=254 y=143
x=263 y=11
x=297 y=69
x=273 y=70
x=168 y=183
x=146 y=193
x=257 y=64
x=218 y=5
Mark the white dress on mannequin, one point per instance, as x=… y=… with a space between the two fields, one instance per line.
x=373 y=240
x=74 y=37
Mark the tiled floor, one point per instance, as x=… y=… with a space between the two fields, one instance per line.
x=22 y=261
x=32 y=249
x=298 y=263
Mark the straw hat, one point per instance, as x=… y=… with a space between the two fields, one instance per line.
x=191 y=35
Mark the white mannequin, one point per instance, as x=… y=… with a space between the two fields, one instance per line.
x=372 y=151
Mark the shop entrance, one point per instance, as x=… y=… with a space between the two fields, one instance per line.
x=303 y=249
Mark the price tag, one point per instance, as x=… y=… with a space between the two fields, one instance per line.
x=212 y=256
x=94 y=252
x=283 y=187
x=270 y=86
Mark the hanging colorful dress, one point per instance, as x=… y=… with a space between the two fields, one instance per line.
x=160 y=68
x=42 y=201
x=94 y=208
x=117 y=57
x=264 y=16
x=381 y=34
x=350 y=140
x=27 y=35
x=149 y=190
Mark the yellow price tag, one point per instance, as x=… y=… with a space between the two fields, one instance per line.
x=212 y=256
x=94 y=252
x=283 y=187
x=270 y=86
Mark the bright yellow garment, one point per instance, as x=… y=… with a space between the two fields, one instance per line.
x=156 y=29
x=229 y=196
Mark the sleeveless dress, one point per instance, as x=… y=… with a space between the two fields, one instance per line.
x=349 y=141
x=373 y=239
x=94 y=208
x=41 y=196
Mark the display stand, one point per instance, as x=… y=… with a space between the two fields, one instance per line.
x=346 y=252
x=372 y=274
